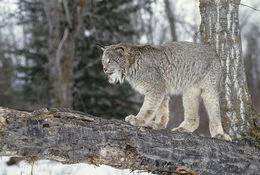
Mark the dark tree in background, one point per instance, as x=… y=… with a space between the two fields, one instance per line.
x=106 y=22
x=63 y=65
x=32 y=74
x=252 y=61
x=65 y=20
x=171 y=18
x=6 y=71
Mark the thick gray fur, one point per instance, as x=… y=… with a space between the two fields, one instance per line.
x=191 y=69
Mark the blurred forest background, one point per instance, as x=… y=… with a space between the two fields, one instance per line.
x=49 y=58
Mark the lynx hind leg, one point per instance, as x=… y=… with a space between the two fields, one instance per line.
x=191 y=101
x=211 y=101
x=161 y=116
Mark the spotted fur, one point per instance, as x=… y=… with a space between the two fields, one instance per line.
x=191 y=69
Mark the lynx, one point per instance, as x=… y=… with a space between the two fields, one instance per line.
x=157 y=72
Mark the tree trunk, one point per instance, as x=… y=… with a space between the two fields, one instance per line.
x=73 y=137
x=59 y=92
x=67 y=69
x=62 y=47
x=220 y=27
x=171 y=19
x=5 y=78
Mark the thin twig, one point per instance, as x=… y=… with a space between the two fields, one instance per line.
x=58 y=53
x=67 y=12
x=250 y=7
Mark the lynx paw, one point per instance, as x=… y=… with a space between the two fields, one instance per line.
x=187 y=126
x=156 y=126
x=223 y=137
x=129 y=118
x=181 y=129
x=133 y=120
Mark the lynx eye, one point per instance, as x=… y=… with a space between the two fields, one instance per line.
x=108 y=61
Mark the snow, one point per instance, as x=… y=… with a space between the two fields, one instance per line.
x=45 y=167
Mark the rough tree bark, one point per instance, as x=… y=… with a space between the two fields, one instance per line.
x=61 y=43
x=73 y=137
x=220 y=27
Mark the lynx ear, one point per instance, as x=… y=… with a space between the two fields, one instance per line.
x=121 y=48
x=125 y=49
x=101 y=46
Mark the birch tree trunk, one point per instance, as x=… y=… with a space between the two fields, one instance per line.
x=220 y=27
x=61 y=43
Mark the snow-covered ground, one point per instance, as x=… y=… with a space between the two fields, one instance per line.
x=45 y=167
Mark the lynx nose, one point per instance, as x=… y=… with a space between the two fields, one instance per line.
x=105 y=69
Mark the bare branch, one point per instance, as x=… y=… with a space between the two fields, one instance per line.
x=58 y=53
x=250 y=7
x=67 y=12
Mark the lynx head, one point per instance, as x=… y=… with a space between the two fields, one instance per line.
x=115 y=62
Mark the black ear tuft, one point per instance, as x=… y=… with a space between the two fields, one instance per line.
x=122 y=48
x=101 y=46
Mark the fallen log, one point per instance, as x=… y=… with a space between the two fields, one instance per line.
x=73 y=137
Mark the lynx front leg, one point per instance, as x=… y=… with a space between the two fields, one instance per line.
x=191 y=100
x=161 y=116
x=211 y=102
x=146 y=113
